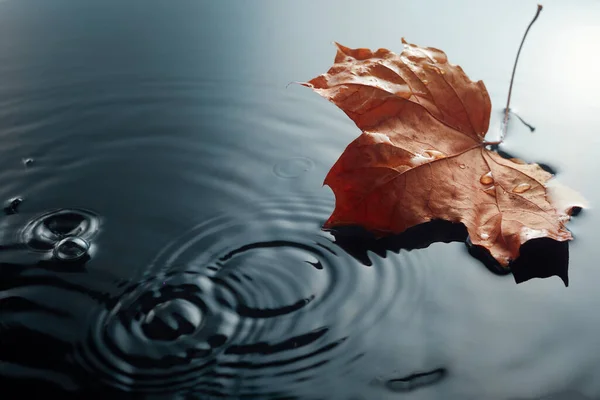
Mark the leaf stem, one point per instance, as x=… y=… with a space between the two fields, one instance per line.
x=512 y=78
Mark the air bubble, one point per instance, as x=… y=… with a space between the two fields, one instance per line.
x=71 y=249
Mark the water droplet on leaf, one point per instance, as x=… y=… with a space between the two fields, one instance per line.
x=521 y=188
x=486 y=179
x=491 y=190
x=426 y=156
x=434 y=154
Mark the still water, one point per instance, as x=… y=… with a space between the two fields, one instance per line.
x=165 y=134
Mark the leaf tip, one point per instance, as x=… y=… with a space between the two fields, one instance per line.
x=328 y=224
x=340 y=47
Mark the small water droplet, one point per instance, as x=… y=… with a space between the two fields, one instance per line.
x=491 y=190
x=484 y=236
x=486 y=179
x=12 y=205
x=462 y=166
x=379 y=137
x=434 y=154
x=426 y=156
x=425 y=82
x=27 y=161
x=71 y=248
x=521 y=188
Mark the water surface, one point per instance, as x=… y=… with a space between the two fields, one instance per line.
x=167 y=131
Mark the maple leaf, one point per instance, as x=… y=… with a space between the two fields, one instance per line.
x=422 y=154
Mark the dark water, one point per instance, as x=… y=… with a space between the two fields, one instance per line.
x=164 y=133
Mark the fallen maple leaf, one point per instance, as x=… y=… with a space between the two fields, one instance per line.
x=422 y=154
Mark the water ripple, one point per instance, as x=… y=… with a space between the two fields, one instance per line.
x=255 y=303
x=44 y=231
x=241 y=303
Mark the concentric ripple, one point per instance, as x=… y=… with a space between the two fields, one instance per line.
x=44 y=231
x=245 y=305
x=293 y=167
x=171 y=326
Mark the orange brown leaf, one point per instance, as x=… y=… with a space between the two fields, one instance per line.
x=422 y=155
